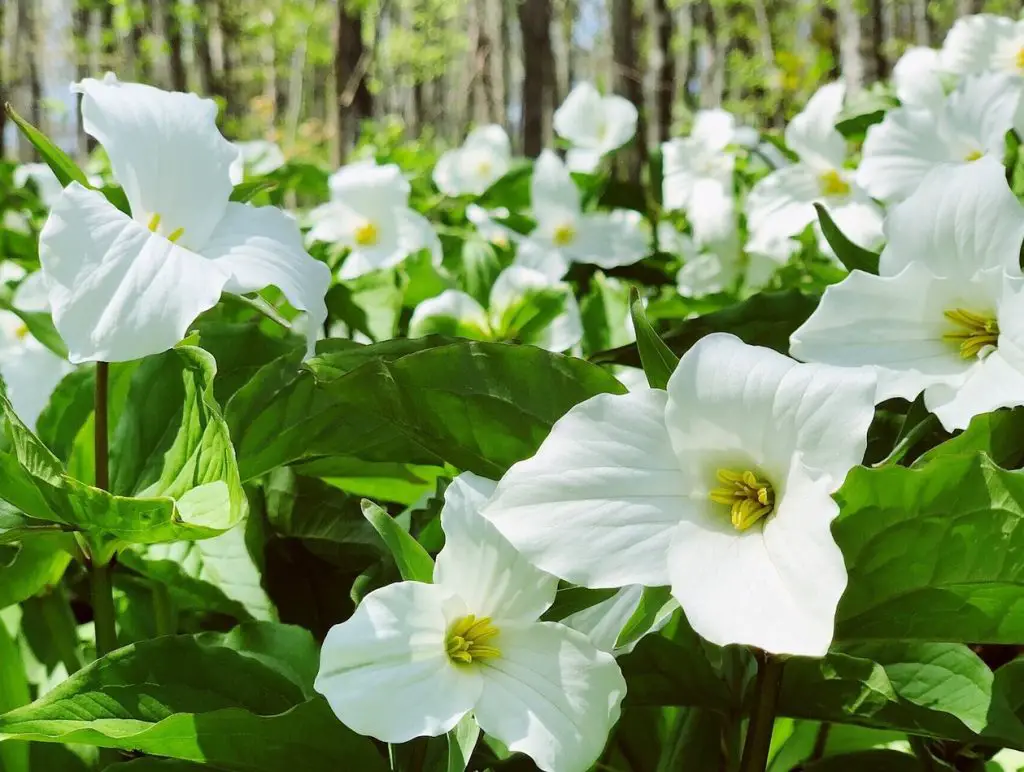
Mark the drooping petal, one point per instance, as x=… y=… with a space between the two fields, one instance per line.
x=619 y=122
x=597 y=503
x=610 y=239
x=554 y=198
x=812 y=134
x=971 y=42
x=479 y=565
x=729 y=402
x=961 y=220
x=582 y=159
x=551 y=695
x=980 y=112
x=576 y=119
x=446 y=173
x=118 y=291
x=775 y=587
x=385 y=671
x=453 y=311
x=917 y=78
x=166 y=151
x=262 y=247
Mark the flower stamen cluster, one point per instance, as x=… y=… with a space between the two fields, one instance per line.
x=467 y=640
x=749 y=499
x=974 y=333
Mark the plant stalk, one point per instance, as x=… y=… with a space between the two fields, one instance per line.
x=762 y=719
x=99 y=573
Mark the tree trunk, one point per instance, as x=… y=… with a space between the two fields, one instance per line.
x=28 y=36
x=138 y=15
x=665 y=80
x=353 y=100
x=686 y=61
x=629 y=80
x=969 y=7
x=108 y=39
x=172 y=31
x=505 y=42
x=535 y=22
x=711 y=81
x=230 y=41
x=922 y=33
x=80 y=28
x=4 y=93
x=849 y=46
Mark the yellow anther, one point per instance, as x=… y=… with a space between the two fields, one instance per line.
x=176 y=234
x=749 y=499
x=833 y=184
x=974 y=155
x=21 y=331
x=467 y=640
x=367 y=234
x=484 y=168
x=564 y=235
x=154 y=222
x=974 y=333
x=1019 y=59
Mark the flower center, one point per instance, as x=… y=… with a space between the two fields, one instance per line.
x=749 y=499
x=21 y=331
x=832 y=184
x=484 y=168
x=973 y=333
x=564 y=235
x=1018 y=59
x=367 y=234
x=467 y=640
x=154 y=226
x=974 y=155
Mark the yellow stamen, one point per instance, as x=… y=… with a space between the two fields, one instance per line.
x=973 y=332
x=974 y=155
x=564 y=235
x=176 y=234
x=484 y=168
x=1019 y=59
x=749 y=499
x=467 y=640
x=154 y=222
x=367 y=234
x=832 y=184
x=21 y=331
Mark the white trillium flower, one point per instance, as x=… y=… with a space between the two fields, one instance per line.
x=415 y=658
x=257 y=157
x=488 y=228
x=595 y=125
x=704 y=272
x=919 y=79
x=945 y=315
x=369 y=214
x=911 y=141
x=30 y=370
x=524 y=306
x=483 y=159
x=123 y=287
x=984 y=42
x=782 y=204
x=720 y=487
x=565 y=234
x=703 y=157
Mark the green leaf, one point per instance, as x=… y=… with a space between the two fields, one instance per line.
x=874 y=760
x=150 y=764
x=604 y=311
x=852 y=256
x=14 y=692
x=40 y=327
x=863 y=111
x=648 y=611
x=244 y=192
x=961 y=518
x=39 y=563
x=570 y=600
x=658 y=360
x=63 y=167
x=997 y=435
x=71 y=405
x=479 y=268
x=765 y=319
x=370 y=304
x=414 y=564
x=206 y=698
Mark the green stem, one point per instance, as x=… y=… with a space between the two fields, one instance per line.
x=920 y=748
x=99 y=572
x=820 y=741
x=762 y=720
x=63 y=628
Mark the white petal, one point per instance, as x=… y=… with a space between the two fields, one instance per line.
x=554 y=198
x=917 y=78
x=450 y=304
x=416 y=232
x=370 y=190
x=775 y=587
x=961 y=220
x=550 y=695
x=385 y=671
x=971 y=41
x=610 y=239
x=714 y=128
x=729 y=402
x=30 y=372
x=582 y=159
x=620 y=118
x=860 y=219
x=981 y=111
x=565 y=330
x=597 y=503
x=812 y=134
x=782 y=204
x=165 y=150
x=261 y=247
x=712 y=212
x=491 y=137
x=446 y=173
x=576 y=119
x=480 y=566
x=542 y=257
x=603 y=622
x=260 y=156
x=118 y=291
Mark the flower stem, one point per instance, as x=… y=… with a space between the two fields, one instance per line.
x=99 y=572
x=762 y=720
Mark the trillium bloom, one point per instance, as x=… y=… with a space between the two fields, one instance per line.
x=565 y=234
x=945 y=315
x=702 y=158
x=369 y=215
x=489 y=229
x=719 y=487
x=594 y=125
x=415 y=658
x=983 y=42
x=30 y=370
x=782 y=204
x=123 y=287
x=704 y=272
x=525 y=306
x=911 y=141
x=483 y=159
x=257 y=157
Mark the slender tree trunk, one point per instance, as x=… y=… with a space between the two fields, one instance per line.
x=172 y=31
x=849 y=46
x=108 y=38
x=5 y=94
x=826 y=35
x=686 y=60
x=353 y=99
x=968 y=7
x=535 y=22
x=505 y=42
x=139 y=16
x=230 y=41
x=629 y=80
x=710 y=76
x=80 y=28
x=665 y=81
x=28 y=35
x=922 y=33
x=209 y=84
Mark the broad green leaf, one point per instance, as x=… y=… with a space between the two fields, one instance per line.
x=648 y=611
x=71 y=405
x=851 y=255
x=39 y=563
x=934 y=553
x=414 y=564
x=997 y=435
x=863 y=111
x=765 y=319
x=512 y=191
x=658 y=360
x=245 y=192
x=369 y=304
x=14 y=692
x=203 y=698
x=40 y=327
x=241 y=349
x=381 y=481
x=876 y=761
x=570 y=600
x=63 y=167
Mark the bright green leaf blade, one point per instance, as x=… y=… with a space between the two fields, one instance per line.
x=414 y=564
x=40 y=562
x=14 y=692
x=244 y=192
x=658 y=360
x=851 y=255
x=63 y=167
x=648 y=611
